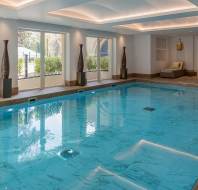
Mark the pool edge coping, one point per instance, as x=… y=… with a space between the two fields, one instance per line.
x=76 y=89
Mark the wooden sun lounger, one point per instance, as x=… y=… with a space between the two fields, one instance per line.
x=174 y=71
x=172 y=74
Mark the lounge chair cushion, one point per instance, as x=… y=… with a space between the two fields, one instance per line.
x=178 y=65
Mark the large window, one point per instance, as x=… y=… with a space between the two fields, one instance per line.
x=98 y=60
x=33 y=71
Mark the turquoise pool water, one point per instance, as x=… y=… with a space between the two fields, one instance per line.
x=108 y=140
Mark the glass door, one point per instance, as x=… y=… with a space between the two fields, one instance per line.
x=29 y=44
x=91 y=59
x=54 y=59
x=98 y=59
x=40 y=60
x=105 y=58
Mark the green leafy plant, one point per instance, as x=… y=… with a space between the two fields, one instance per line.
x=52 y=65
x=91 y=63
x=104 y=63
x=21 y=65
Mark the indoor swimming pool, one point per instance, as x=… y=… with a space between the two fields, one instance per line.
x=136 y=136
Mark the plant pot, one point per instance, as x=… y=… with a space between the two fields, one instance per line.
x=123 y=73
x=81 y=78
x=6 y=88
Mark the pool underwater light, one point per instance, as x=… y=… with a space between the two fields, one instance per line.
x=69 y=153
x=150 y=109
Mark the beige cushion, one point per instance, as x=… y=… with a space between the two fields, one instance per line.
x=178 y=65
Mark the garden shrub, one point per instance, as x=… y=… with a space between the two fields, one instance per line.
x=91 y=63
x=52 y=65
x=21 y=65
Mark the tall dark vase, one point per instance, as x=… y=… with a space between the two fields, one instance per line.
x=5 y=68
x=5 y=61
x=123 y=70
x=81 y=75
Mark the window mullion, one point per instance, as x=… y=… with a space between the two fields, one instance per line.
x=42 y=60
x=98 y=59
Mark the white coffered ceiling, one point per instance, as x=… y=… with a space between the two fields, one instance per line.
x=129 y=16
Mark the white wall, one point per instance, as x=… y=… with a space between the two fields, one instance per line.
x=130 y=53
x=124 y=41
x=77 y=37
x=9 y=28
x=196 y=53
x=156 y=65
x=8 y=31
x=140 y=48
x=141 y=54
x=189 y=54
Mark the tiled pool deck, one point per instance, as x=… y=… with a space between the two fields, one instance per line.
x=60 y=91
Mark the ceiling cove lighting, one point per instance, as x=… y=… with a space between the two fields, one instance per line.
x=80 y=15
x=142 y=15
x=74 y=15
x=16 y=3
x=163 y=25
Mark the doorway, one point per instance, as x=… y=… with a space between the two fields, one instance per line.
x=98 y=58
x=40 y=60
